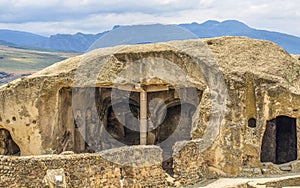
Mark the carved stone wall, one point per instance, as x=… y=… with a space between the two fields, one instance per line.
x=109 y=169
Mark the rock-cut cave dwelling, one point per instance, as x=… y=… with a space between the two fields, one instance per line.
x=237 y=98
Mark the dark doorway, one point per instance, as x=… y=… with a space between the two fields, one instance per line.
x=125 y=131
x=286 y=141
x=7 y=145
x=280 y=141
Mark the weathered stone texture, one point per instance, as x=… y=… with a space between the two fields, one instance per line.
x=261 y=84
x=88 y=170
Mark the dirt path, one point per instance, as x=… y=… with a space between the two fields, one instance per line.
x=234 y=182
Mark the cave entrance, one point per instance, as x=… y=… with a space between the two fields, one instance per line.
x=279 y=143
x=93 y=119
x=7 y=145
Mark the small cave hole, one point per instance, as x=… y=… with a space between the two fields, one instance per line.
x=210 y=42
x=252 y=123
x=34 y=121
x=7 y=121
x=14 y=118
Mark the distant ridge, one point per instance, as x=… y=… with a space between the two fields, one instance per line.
x=81 y=42
x=142 y=34
x=214 y=28
x=65 y=42
x=20 y=38
x=5 y=43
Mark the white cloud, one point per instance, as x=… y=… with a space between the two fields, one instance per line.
x=24 y=10
x=93 y=16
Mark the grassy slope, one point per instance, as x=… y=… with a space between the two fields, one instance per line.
x=14 y=60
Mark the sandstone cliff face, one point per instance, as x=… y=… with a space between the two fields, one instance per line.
x=241 y=85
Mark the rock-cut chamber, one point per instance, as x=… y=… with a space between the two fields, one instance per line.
x=95 y=119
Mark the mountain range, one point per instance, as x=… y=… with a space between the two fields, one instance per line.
x=81 y=42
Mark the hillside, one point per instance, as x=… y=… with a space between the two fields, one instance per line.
x=16 y=62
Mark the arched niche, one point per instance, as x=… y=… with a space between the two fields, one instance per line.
x=7 y=144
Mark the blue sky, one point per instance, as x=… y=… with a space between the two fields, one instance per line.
x=48 y=17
